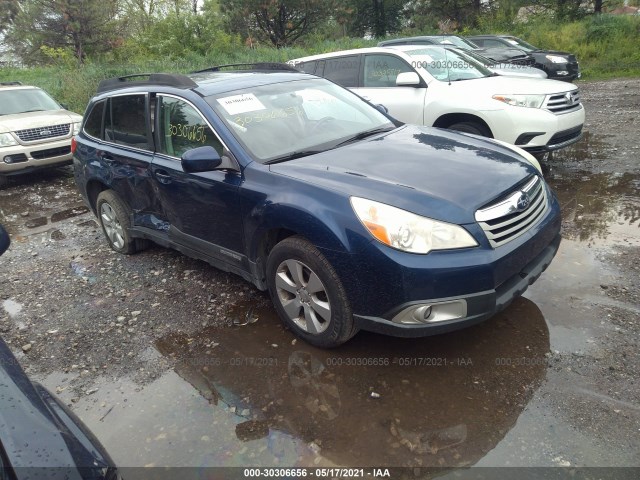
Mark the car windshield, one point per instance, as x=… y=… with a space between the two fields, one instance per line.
x=447 y=65
x=521 y=44
x=453 y=40
x=484 y=61
x=281 y=121
x=25 y=100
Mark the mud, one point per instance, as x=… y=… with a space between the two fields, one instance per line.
x=173 y=363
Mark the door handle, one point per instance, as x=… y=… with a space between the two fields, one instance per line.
x=163 y=176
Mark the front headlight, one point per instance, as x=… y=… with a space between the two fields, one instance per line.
x=407 y=231
x=7 y=140
x=556 y=59
x=76 y=128
x=531 y=101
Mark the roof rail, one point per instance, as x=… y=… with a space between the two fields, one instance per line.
x=256 y=67
x=7 y=84
x=168 y=79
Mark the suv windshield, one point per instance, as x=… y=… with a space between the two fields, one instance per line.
x=447 y=65
x=521 y=44
x=22 y=100
x=456 y=41
x=284 y=120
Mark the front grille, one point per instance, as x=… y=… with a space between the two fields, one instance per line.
x=51 y=152
x=42 y=133
x=506 y=219
x=565 y=135
x=563 y=102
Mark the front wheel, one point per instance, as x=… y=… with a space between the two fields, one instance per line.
x=308 y=294
x=471 y=127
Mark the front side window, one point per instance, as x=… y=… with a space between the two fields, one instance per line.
x=382 y=70
x=447 y=65
x=183 y=128
x=126 y=122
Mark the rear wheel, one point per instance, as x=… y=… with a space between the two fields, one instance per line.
x=114 y=218
x=308 y=295
x=471 y=127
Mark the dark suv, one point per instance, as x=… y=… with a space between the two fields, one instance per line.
x=350 y=219
x=557 y=65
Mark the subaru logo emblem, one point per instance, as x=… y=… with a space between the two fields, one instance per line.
x=45 y=132
x=523 y=202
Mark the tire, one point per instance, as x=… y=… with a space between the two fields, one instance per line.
x=471 y=127
x=114 y=218
x=320 y=315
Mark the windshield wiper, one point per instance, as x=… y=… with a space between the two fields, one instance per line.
x=293 y=156
x=34 y=110
x=365 y=134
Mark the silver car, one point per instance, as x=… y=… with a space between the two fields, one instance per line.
x=35 y=131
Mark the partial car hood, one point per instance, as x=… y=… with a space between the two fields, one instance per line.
x=21 y=121
x=433 y=172
x=514 y=85
x=511 y=70
x=502 y=54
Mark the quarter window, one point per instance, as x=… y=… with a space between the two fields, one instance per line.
x=382 y=70
x=93 y=125
x=183 y=128
x=126 y=122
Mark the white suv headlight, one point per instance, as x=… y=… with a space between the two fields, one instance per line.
x=7 y=140
x=531 y=101
x=556 y=59
x=407 y=231
x=76 y=128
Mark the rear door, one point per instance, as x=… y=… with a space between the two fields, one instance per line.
x=202 y=210
x=120 y=137
x=378 y=85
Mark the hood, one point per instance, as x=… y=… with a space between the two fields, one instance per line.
x=542 y=53
x=513 y=85
x=433 y=172
x=518 y=71
x=21 y=121
x=502 y=54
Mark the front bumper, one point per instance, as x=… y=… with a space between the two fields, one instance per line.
x=479 y=306
x=24 y=158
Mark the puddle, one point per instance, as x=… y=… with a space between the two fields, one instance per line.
x=265 y=399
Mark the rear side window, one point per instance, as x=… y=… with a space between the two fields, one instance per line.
x=93 y=125
x=183 y=128
x=382 y=70
x=343 y=70
x=126 y=121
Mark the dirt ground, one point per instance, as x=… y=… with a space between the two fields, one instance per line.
x=158 y=344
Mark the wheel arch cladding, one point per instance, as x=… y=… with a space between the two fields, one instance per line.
x=448 y=119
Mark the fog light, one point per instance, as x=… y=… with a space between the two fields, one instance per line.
x=17 y=158
x=432 y=312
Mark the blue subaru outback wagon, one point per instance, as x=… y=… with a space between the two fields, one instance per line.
x=350 y=219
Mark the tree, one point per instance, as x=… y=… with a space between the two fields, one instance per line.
x=8 y=10
x=281 y=22
x=375 y=17
x=79 y=26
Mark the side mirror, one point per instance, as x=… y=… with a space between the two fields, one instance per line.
x=201 y=159
x=408 y=79
x=382 y=108
x=4 y=240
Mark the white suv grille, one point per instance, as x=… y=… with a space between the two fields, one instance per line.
x=566 y=102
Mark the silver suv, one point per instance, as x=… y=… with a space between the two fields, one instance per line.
x=35 y=130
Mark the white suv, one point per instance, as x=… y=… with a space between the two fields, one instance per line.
x=434 y=86
x=35 y=131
